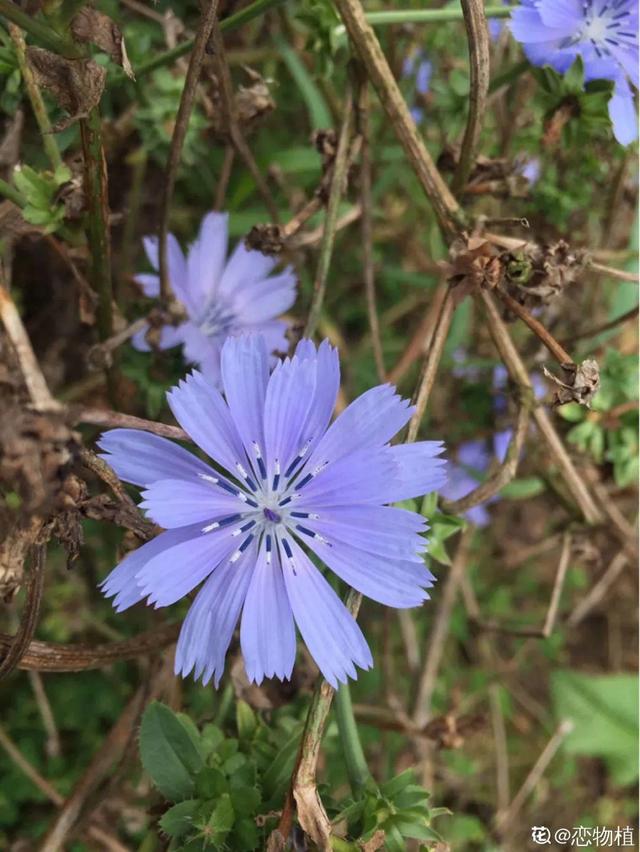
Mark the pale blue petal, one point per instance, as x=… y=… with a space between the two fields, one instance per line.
x=150 y=284
x=243 y=269
x=178 y=502
x=396 y=582
x=290 y=394
x=622 y=112
x=208 y=628
x=367 y=476
x=329 y=630
x=266 y=299
x=141 y=458
x=177 y=268
x=369 y=421
x=206 y=257
x=203 y=414
x=173 y=573
x=418 y=471
x=562 y=15
x=267 y=631
x=384 y=530
x=245 y=372
x=528 y=27
x=121 y=582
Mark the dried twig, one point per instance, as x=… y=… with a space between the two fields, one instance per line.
x=93 y=831
x=100 y=765
x=558 y=351
x=303 y=790
x=366 y=221
x=29 y=621
x=116 y=420
x=430 y=365
x=506 y=470
x=503 y=793
x=599 y=590
x=35 y=98
x=607 y=326
x=52 y=657
x=479 y=51
x=187 y=98
x=366 y=43
x=440 y=630
x=519 y=374
x=52 y=746
x=328 y=238
x=421 y=340
x=505 y=818
x=612 y=272
x=31 y=372
x=230 y=121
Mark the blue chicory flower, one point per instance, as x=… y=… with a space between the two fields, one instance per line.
x=603 y=33
x=530 y=169
x=221 y=297
x=292 y=482
x=473 y=458
x=417 y=68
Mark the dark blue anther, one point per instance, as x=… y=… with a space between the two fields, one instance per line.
x=305 y=531
x=245 y=544
x=304 y=480
x=287 y=549
x=270 y=515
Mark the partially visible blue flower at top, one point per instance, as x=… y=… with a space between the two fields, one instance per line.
x=417 y=68
x=285 y=484
x=603 y=33
x=221 y=296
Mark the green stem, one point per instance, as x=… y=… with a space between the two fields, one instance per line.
x=355 y=761
x=233 y=22
x=429 y=16
x=12 y=193
x=41 y=32
x=95 y=185
x=35 y=97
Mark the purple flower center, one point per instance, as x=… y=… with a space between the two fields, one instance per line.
x=270 y=515
x=216 y=320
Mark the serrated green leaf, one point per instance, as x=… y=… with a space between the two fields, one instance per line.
x=168 y=753
x=211 y=783
x=396 y=785
x=178 y=820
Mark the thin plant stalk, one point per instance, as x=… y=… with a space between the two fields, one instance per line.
x=355 y=761
x=177 y=140
x=331 y=219
x=35 y=98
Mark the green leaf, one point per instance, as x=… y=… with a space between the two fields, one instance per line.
x=168 y=753
x=604 y=711
x=524 y=488
x=220 y=823
x=396 y=785
x=246 y=720
x=178 y=820
x=211 y=783
x=319 y=115
x=245 y=800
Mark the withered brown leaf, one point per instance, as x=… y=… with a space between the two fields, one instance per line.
x=89 y=25
x=76 y=84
